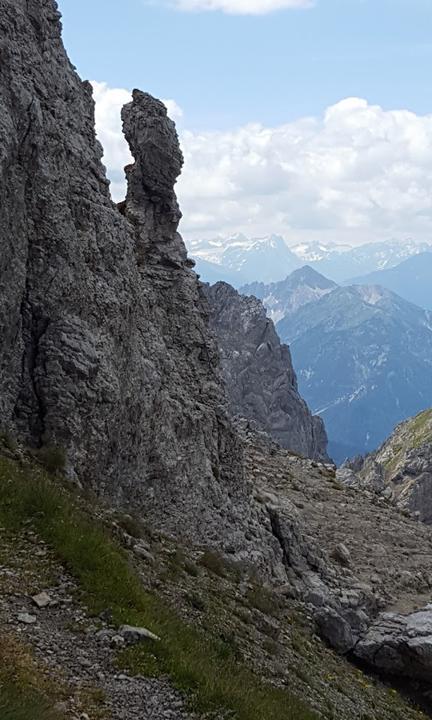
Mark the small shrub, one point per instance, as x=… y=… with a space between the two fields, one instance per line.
x=263 y=600
x=197 y=602
x=271 y=647
x=176 y=563
x=7 y=440
x=131 y=525
x=191 y=568
x=53 y=458
x=215 y=563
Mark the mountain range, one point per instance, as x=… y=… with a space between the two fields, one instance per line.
x=286 y=297
x=240 y=260
x=363 y=355
x=411 y=279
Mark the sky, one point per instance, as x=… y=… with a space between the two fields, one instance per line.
x=309 y=119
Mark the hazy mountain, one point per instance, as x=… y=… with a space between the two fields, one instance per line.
x=211 y=273
x=412 y=279
x=363 y=357
x=287 y=296
x=213 y=249
x=238 y=259
x=316 y=251
x=269 y=259
x=340 y=266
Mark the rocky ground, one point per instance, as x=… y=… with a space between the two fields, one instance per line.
x=363 y=566
x=269 y=629
x=74 y=651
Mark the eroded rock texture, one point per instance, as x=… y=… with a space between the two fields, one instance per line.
x=401 y=469
x=105 y=348
x=106 y=351
x=259 y=375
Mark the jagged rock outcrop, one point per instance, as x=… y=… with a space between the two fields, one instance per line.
x=258 y=372
x=105 y=345
x=401 y=469
x=286 y=297
x=400 y=644
x=362 y=566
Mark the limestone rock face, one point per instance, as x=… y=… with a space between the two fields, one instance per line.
x=366 y=605
x=259 y=375
x=105 y=346
x=400 y=644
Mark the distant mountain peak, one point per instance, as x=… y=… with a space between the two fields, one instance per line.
x=308 y=275
x=411 y=279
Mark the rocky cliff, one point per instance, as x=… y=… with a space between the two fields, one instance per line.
x=105 y=346
x=259 y=375
x=107 y=354
x=401 y=469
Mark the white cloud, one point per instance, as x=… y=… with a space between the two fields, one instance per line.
x=242 y=7
x=357 y=173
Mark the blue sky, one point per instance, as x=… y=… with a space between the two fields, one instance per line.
x=226 y=70
x=312 y=123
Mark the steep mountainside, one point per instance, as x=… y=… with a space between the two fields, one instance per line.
x=260 y=379
x=412 y=279
x=363 y=358
x=286 y=297
x=105 y=347
x=228 y=645
x=401 y=468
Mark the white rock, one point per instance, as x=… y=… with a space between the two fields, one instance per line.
x=26 y=618
x=136 y=634
x=42 y=600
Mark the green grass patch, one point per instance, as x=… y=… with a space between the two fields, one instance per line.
x=24 y=694
x=215 y=563
x=264 y=600
x=52 y=457
x=203 y=666
x=18 y=703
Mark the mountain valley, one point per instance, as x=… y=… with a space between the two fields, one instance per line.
x=361 y=353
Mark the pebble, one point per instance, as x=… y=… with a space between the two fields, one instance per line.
x=26 y=618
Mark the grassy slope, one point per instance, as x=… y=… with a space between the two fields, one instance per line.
x=24 y=695
x=409 y=435
x=201 y=666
